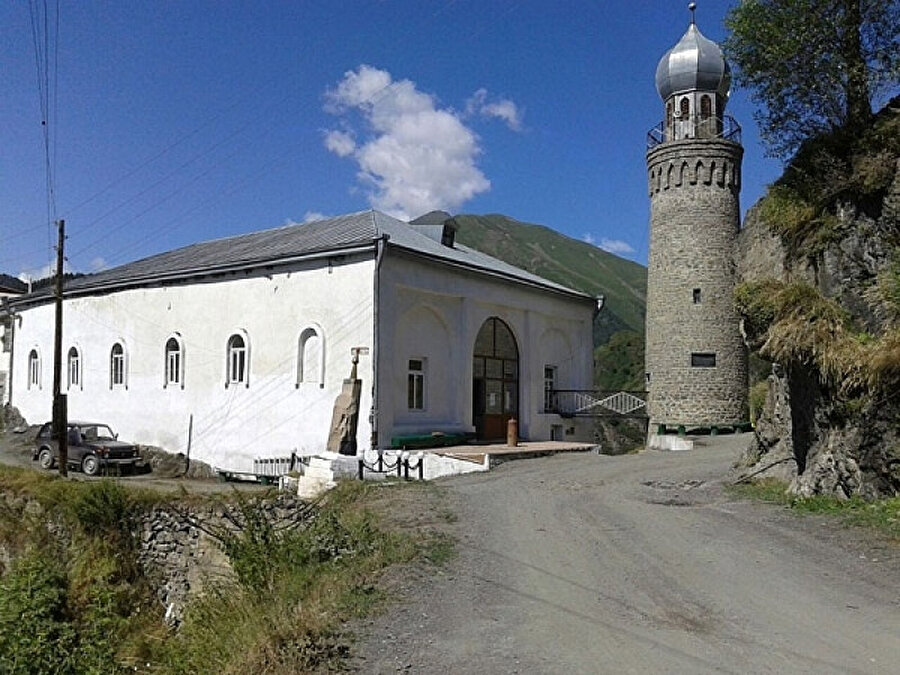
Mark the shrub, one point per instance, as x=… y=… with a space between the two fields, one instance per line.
x=884 y=294
x=856 y=166
x=758 y=394
x=75 y=580
x=105 y=509
x=36 y=634
x=787 y=213
x=795 y=324
x=294 y=584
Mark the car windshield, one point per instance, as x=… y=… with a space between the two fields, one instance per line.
x=97 y=432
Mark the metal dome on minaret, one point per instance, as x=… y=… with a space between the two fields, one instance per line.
x=694 y=81
x=696 y=361
x=695 y=63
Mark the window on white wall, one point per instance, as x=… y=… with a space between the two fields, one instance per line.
x=34 y=369
x=74 y=368
x=117 y=375
x=237 y=360
x=174 y=374
x=310 y=357
x=549 y=387
x=415 y=385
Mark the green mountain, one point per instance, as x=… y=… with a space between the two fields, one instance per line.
x=576 y=264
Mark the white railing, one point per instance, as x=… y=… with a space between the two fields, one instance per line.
x=570 y=403
x=692 y=127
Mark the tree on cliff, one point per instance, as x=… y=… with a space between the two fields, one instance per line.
x=814 y=66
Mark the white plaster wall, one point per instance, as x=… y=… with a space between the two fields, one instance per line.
x=231 y=425
x=435 y=465
x=5 y=354
x=435 y=311
x=4 y=366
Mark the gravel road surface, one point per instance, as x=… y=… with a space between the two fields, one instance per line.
x=583 y=563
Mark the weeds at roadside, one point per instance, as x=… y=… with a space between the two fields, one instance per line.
x=882 y=515
x=73 y=598
x=294 y=588
x=72 y=593
x=440 y=549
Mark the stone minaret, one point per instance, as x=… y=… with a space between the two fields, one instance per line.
x=696 y=362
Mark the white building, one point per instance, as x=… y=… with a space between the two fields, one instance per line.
x=10 y=287
x=246 y=341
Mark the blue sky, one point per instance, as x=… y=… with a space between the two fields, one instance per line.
x=177 y=122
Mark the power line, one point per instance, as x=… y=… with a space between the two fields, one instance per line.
x=177 y=142
x=43 y=47
x=169 y=194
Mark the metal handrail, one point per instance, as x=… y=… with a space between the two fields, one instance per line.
x=726 y=128
x=574 y=402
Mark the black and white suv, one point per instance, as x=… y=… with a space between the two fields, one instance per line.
x=91 y=446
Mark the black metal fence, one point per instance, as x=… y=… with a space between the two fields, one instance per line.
x=403 y=463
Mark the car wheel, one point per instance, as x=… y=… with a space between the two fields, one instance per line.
x=90 y=465
x=45 y=459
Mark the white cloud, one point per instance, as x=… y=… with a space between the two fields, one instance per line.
x=312 y=216
x=616 y=246
x=35 y=274
x=503 y=109
x=416 y=157
x=340 y=143
x=97 y=264
x=308 y=217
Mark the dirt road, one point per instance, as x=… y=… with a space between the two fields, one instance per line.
x=641 y=564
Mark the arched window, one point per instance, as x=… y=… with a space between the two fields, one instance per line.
x=34 y=369
x=705 y=107
x=174 y=364
x=685 y=107
x=670 y=112
x=311 y=357
x=238 y=361
x=117 y=372
x=74 y=368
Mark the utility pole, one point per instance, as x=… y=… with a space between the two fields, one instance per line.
x=60 y=412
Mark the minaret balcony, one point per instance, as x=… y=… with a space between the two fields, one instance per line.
x=692 y=127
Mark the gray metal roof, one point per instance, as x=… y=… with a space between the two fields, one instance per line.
x=10 y=284
x=695 y=63
x=402 y=235
x=348 y=233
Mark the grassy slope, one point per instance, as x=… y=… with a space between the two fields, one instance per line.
x=573 y=263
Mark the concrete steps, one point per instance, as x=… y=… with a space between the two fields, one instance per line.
x=320 y=474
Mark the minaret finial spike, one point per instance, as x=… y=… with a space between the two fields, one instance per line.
x=692 y=6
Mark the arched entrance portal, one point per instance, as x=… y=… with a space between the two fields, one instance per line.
x=495 y=380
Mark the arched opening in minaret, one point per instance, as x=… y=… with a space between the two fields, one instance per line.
x=670 y=115
x=708 y=124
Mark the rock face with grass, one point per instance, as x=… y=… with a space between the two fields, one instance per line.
x=819 y=258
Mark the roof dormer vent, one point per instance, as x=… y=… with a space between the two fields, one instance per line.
x=437 y=225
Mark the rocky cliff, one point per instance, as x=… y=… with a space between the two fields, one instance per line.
x=819 y=269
